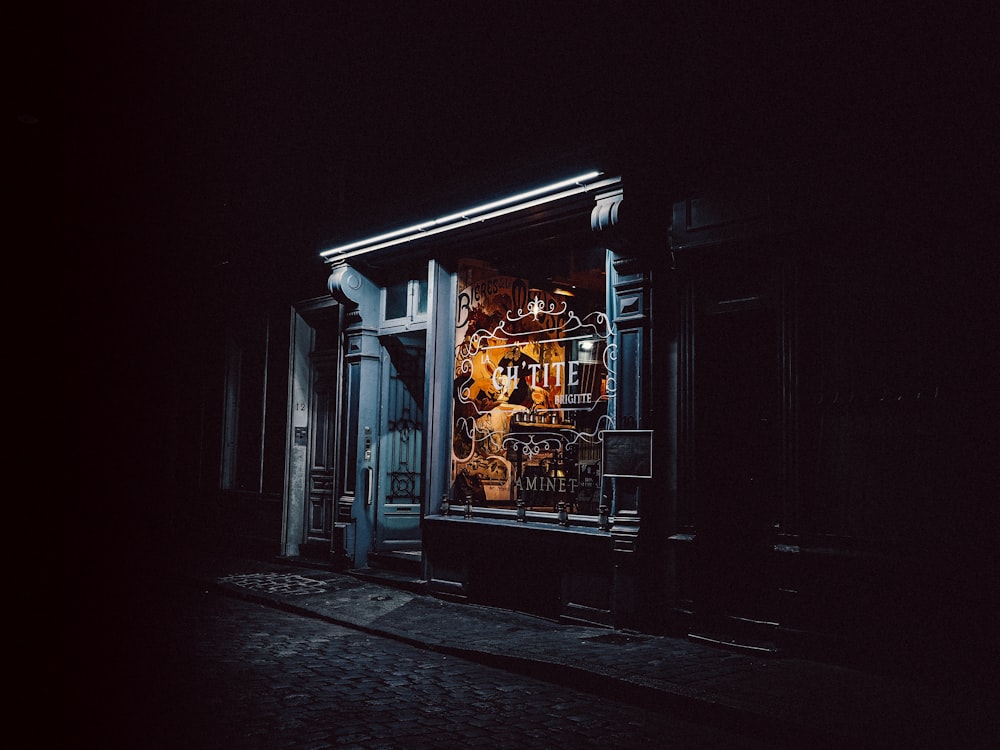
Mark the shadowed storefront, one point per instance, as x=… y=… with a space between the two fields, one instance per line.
x=775 y=436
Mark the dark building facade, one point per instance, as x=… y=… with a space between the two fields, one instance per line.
x=738 y=411
x=729 y=374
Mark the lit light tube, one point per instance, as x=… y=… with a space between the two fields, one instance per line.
x=492 y=210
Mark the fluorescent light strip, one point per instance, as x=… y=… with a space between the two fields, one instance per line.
x=464 y=218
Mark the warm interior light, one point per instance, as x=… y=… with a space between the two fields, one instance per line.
x=518 y=202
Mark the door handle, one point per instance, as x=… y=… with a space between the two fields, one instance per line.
x=369 y=484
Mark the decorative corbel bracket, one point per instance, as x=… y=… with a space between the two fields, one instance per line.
x=349 y=286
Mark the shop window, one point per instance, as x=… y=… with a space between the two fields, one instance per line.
x=533 y=381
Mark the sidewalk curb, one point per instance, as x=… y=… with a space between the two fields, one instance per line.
x=634 y=690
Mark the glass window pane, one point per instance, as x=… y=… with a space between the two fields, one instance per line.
x=532 y=348
x=421 y=285
x=396 y=297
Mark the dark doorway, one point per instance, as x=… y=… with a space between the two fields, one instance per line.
x=737 y=448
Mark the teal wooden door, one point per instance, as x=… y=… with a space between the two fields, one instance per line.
x=401 y=445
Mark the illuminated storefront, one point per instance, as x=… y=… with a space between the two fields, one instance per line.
x=482 y=368
x=634 y=419
x=531 y=390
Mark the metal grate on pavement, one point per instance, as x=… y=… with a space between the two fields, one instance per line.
x=286 y=584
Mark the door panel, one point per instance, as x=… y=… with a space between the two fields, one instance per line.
x=738 y=424
x=401 y=445
x=322 y=469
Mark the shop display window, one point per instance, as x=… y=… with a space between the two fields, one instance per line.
x=533 y=379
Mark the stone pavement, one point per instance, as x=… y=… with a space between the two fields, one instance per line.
x=804 y=702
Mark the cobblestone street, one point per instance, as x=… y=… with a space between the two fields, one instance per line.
x=206 y=670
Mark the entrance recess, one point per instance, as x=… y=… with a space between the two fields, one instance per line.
x=739 y=457
x=401 y=444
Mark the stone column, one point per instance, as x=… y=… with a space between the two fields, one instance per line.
x=362 y=360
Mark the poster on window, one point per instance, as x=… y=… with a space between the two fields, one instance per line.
x=531 y=393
